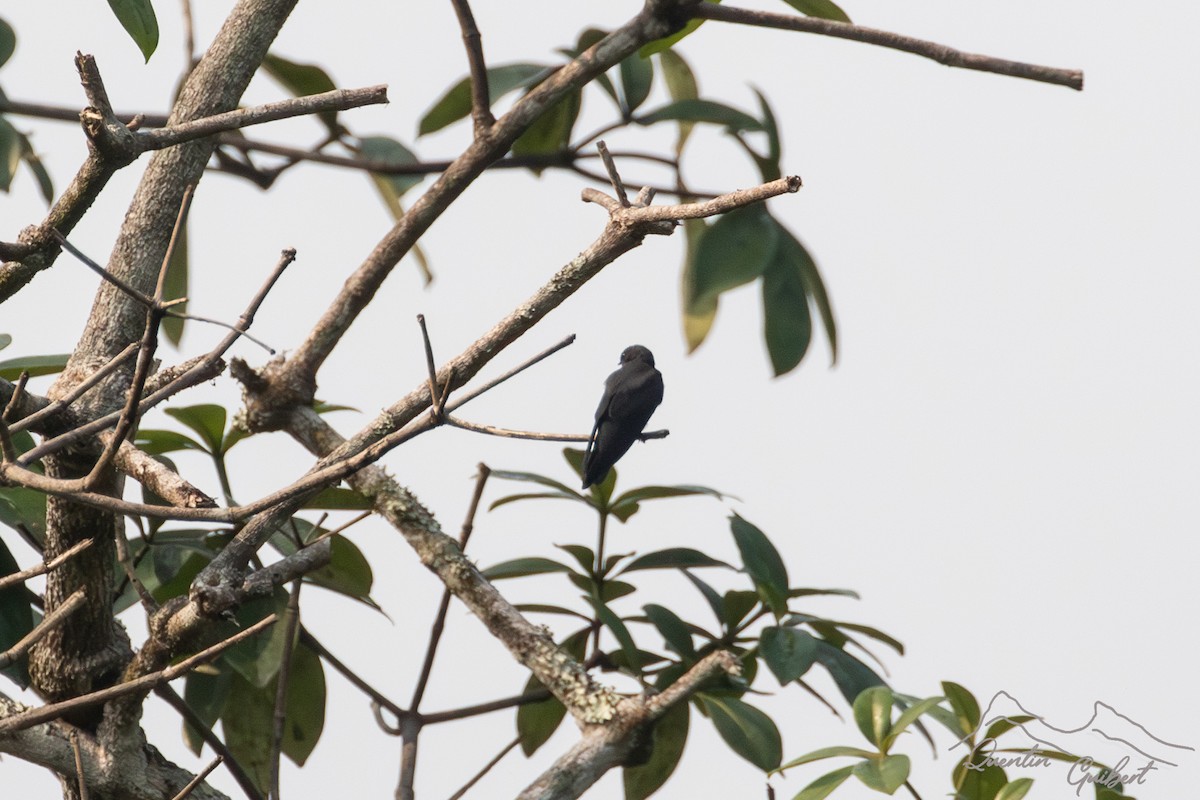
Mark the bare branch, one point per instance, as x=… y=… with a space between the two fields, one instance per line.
x=37 y=716
x=508 y=433
x=614 y=177
x=48 y=411
x=83 y=790
x=172 y=698
x=199 y=779
x=508 y=748
x=45 y=566
x=291 y=619
x=940 y=53
x=481 y=104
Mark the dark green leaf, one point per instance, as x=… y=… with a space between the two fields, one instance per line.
x=534 y=478
x=8 y=42
x=965 y=707
x=257 y=659
x=769 y=165
x=884 y=773
x=814 y=287
x=536 y=722
x=874 y=633
x=873 y=714
x=627 y=503
x=337 y=498
x=45 y=185
x=820 y=592
x=698 y=318
x=673 y=629
x=748 y=731
x=637 y=74
x=710 y=594
x=174 y=569
x=826 y=9
x=247 y=724
x=762 y=562
x=456 y=103
x=348 y=571
x=385 y=151
x=705 y=111
x=16 y=617
x=615 y=624
x=851 y=675
x=10 y=153
x=206 y=692
x=520 y=567
x=207 y=420
x=787 y=324
x=909 y=716
x=615 y=589
x=1005 y=724
x=21 y=507
x=305 y=709
x=668 y=738
x=138 y=20
x=156 y=442
x=303 y=79
x=5 y=339
x=979 y=784
x=584 y=555
x=735 y=250
x=672 y=558
x=551 y=132
x=11 y=369
x=667 y=42
x=788 y=652
x=543 y=608
x=735 y=605
x=512 y=498
x=823 y=786
x=176 y=286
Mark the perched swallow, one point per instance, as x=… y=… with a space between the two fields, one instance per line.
x=630 y=396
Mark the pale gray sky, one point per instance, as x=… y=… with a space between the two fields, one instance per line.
x=1003 y=462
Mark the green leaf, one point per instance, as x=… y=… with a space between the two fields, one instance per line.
x=709 y=593
x=965 y=707
x=851 y=675
x=138 y=20
x=826 y=9
x=787 y=324
x=339 y=498
x=701 y=111
x=304 y=718
x=667 y=42
x=823 y=786
x=769 y=165
x=748 y=731
x=543 y=608
x=873 y=714
x=5 y=339
x=814 y=287
x=456 y=103
x=735 y=250
x=627 y=504
x=762 y=562
x=206 y=693
x=536 y=722
x=788 y=652
x=35 y=365
x=1005 y=724
x=698 y=317
x=735 y=605
x=176 y=286
x=386 y=151
x=520 y=567
x=539 y=479
x=303 y=79
x=673 y=558
x=207 y=420
x=979 y=785
x=884 y=773
x=614 y=623
x=584 y=555
x=156 y=442
x=637 y=75
x=668 y=737
x=840 y=751
x=21 y=507
x=174 y=569
x=614 y=589
x=908 y=717
x=257 y=659
x=551 y=132
x=348 y=571
x=681 y=85
x=45 y=185
x=8 y=42
x=16 y=617
x=1015 y=790
x=673 y=629
x=10 y=153
x=874 y=633
x=247 y=725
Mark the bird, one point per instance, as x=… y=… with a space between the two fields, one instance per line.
x=630 y=396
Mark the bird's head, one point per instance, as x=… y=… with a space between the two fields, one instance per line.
x=636 y=352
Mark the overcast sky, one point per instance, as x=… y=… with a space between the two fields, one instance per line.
x=1003 y=462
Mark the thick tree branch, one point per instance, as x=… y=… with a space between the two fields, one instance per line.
x=940 y=53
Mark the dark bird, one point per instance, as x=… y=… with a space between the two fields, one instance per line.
x=630 y=396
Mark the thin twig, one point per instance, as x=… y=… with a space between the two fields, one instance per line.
x=45 y=566
x=83 y=790
x=36 y=716
x=940 y=53
x=291 y=619
x=439 y=621
x=508 y=433
x=536 y=696
x=51 y=621
x=481 y=104
x=434 y=390
x=172 y=698
x=377 y=697
x=15 y=400
x=463 y=399
x=77 y=391
x=508 y=748
x=199 y=779
x=614 y=177
x=101 y=271
x=148 y=601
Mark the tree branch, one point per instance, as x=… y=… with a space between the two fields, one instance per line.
x=1071 y=78
x=481 y=104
